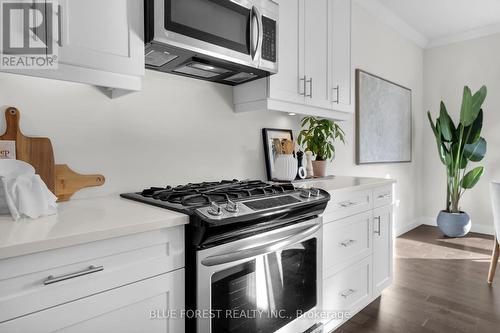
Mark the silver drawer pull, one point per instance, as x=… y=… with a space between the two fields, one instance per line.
x=347 y=204
x=347 y=243
x=347 y=293
x=384 y=196
x=91 y=269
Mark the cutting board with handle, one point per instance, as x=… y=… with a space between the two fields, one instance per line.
x=68 y=181
x=59 y=178
x=35 y=151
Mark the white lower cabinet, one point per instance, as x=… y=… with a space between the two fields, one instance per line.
x=125 y=309
x=113 y=285
x=357 y=252
x=382 y=248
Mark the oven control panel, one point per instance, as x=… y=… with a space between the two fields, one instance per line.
x=219 y=211
x=268 y=39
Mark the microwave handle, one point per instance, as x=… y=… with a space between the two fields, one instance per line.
x=257 y=26
x=260 y=250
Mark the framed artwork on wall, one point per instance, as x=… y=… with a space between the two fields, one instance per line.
x=383 y=120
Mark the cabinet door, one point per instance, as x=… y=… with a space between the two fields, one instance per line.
x=101 y=35
x=316 y=53
x=138 y=307
x=382 y=248
x=288 y=83
x=341 y=71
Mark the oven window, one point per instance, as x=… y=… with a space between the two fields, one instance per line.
x=265 y=294
x=219 y=22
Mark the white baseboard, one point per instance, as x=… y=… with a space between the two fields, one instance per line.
x=479 y=228
x=407 y=227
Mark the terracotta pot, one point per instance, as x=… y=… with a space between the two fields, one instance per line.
x=319 y=168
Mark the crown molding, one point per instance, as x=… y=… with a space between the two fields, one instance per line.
x=463 y=36
x=387 y=16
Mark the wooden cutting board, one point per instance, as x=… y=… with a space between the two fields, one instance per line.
x=68 y=181
x=60 y=179
x=35 y=151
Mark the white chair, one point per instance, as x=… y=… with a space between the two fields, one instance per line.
x=495 y=202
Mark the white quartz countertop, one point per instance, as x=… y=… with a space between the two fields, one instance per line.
x=341 y=183
x=83 y=221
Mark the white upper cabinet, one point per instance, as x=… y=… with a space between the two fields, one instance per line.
x=314 y=74
x=340 y=52
x=102 y=35
x=316 y=61
x=98 y=42
x=288 y=83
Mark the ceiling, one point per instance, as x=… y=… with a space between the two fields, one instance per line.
x=442 y=22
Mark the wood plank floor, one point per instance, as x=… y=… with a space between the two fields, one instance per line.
x=439 y=286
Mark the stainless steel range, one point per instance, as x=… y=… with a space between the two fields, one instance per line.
x=253 y=259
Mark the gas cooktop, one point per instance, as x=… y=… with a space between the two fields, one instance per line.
x=229 y=199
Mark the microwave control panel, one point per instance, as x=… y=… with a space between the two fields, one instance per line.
x=268 y=39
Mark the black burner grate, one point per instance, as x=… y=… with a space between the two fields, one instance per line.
x=201 y=194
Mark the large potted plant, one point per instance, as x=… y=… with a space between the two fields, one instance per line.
x=457 y=147
x=318 y=136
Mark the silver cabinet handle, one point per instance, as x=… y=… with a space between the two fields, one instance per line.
x=91 y=269
x=347 y=243
x=384 y=196
x=347 y=293
x=59 y=26
x=378 y=229
x=304 y=79
x=310 y=81
x=259 y=250
x=337 y=89
x=347 y=204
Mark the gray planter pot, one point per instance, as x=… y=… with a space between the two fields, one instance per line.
x=454 y=224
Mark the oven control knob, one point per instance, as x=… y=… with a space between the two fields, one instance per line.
x=314 y=192
x=305 y=193
x=214 y=209
x=231 y=206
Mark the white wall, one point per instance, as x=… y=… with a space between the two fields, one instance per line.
x=378 y=49
x=447 y=70
x=178 y=130
x=174 y=131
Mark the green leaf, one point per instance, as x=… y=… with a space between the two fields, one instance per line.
x=478 y=100
x=466 y=110
x=471 y=105
x=462 y=163
x=475 y=128
x=429 y=116
x=475 y=151
x=446 y=123
x=472 y=177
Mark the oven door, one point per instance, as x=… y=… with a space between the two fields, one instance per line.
x=230 y=30
x=262 y=284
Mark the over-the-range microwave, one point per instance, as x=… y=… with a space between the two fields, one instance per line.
x=225 y=41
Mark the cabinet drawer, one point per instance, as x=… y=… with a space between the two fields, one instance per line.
x=126 y=309
x=346 y=204
x=382 y=196
x=348 y=289
x=346 y=241
x=37 y=281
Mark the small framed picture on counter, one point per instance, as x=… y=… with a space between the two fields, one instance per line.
x=274 y=141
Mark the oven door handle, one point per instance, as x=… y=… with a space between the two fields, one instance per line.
x=259 y=250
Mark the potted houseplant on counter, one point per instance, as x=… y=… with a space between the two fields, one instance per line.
x=457 y=147
x=318 y=136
